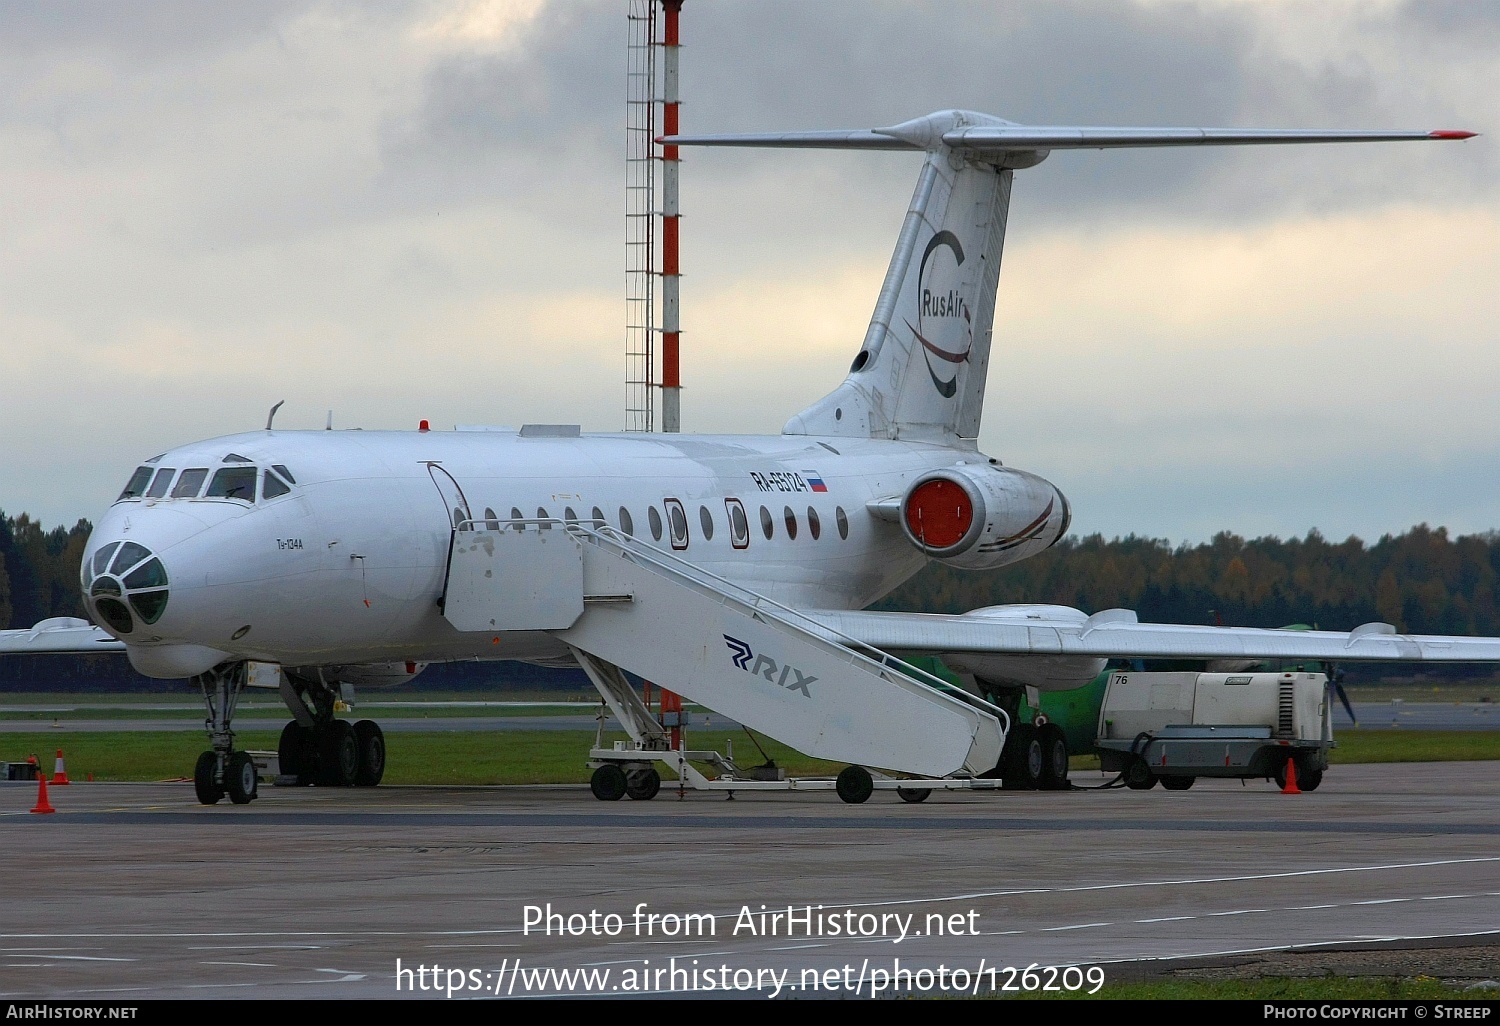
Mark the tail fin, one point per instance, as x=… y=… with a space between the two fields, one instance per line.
x=921 y=371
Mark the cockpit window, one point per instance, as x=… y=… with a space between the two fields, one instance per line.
x=273 y=487
x=232 y=483
x=235 y=457
x=162 y=483
x=284 y=473
x=189 y=483
x=138 y=483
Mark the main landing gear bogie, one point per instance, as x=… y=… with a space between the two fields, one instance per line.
x=1035 y=758
x=333 y=754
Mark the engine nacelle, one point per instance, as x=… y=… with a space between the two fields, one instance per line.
x=982 y=517
x=1043 y=672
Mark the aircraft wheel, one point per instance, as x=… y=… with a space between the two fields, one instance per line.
x=338 y=754
x=855 y=785
x=1177 y=783
x=642 y=784
x=369 y=742
x=209 y=790
x=1054 y=752
x=1023 y=758
x=608 y=783
x=1138 y=776
x=297 y=755
x=914 y=794
x=240 y=778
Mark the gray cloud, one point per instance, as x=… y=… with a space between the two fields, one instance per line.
x=242 y=175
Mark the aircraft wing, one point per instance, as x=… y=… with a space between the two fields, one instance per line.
x=1117 y=634
x=64 y=635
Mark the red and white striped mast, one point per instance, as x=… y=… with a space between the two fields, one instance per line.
x=671 y=378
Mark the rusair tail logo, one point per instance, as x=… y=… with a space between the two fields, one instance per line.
x=937 y=307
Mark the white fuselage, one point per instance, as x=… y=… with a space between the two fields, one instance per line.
x=348 y=566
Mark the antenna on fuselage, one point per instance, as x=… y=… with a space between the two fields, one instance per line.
x=329 y=425
x=272 y=415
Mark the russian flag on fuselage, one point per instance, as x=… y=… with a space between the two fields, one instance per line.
x=814 y=481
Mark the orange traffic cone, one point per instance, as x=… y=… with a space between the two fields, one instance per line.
x=42 y=804
x=1291 y=778
x=59 y=772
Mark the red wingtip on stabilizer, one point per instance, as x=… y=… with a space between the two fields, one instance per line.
x=1291 y=778
x=42 y=804
x=1451 y=133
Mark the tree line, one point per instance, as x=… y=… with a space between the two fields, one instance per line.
x=1422 y=581
x=39 y=570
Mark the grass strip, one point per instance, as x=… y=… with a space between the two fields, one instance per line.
x=437 y=757
x=560 y=756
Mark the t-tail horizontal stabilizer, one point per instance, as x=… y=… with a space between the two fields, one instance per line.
x=985 y=133
x=920 y=373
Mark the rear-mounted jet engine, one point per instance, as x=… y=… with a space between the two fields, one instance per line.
x=982 y=517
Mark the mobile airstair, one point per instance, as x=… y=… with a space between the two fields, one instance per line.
x=621 y=605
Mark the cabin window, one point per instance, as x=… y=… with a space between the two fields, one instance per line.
x=678 y=521
x=767 y=523
x=189 y=483
x=814 y=525
x=655 y=519
x=739 y=527
x=598 y=515
x=707 y=520
x=543 y=516
x=515 y=515
x=136 y=486
x=232 y=483
x=843 y=521
x=491 y=520
x=791 y=523
x=569 y=515
x=626 y=524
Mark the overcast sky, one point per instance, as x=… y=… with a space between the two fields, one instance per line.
x=416 y=211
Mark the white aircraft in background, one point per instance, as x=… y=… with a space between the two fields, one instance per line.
x=730 y=569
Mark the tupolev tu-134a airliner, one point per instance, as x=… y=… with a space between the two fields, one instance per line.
x=731 y=569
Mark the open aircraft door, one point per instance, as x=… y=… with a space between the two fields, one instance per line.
x=456 y=512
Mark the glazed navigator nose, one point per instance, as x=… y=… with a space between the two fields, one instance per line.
x=126 y=585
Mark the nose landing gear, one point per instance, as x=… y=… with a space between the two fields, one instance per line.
x=221 y=770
